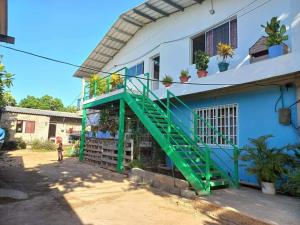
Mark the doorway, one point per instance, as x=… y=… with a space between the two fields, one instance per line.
x=155 y=72
x=52 y=130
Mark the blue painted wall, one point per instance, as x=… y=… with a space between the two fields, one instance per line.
x=256 y=117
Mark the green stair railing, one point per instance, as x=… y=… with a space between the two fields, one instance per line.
x=186 y=125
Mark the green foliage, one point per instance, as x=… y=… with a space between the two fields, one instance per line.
x=107 y=123
x=184 y=73
x=276 y=32
x=73 y=151
x=45 y=102
x=44 y=145
x=201 y=60
x=97 y=84
x=6 y=79
x=17 y=144
x=292 y=184
x=268 y=164
x=9 y=99
x=136 y=164
x=167 y=80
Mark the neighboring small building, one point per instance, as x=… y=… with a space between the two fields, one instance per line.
x=31 y=124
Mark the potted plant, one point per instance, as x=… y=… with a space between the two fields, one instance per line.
x=225 y=51
x=184 y=76
x=268 y=164
x=167 y=81
x=201 y=61
x=276 y=37
x=116 y=81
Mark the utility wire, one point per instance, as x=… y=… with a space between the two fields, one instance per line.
x=141 y=78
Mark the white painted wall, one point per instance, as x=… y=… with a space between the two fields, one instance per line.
x=176 y=55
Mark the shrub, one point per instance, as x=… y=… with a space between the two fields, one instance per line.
x=201 y=60
x=136 y=164
x=46 y=145
x=292 y=184
x=17 y=144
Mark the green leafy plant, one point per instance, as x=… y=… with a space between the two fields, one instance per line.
x=268 y=164
x=97 y=85
x=276 y=32
x=43 y=145
x=167 y=80
x=225 y=51
x=184 y=73
x=17 y=144
x=136 y=164
x=201 y=60
x=6 y=79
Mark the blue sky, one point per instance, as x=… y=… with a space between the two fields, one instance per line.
x=62 y=29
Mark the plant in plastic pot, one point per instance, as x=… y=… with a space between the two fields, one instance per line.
x=201 y=61
x=276 y=37
x=184 y=76
x=167 y=81
x=225 y=51
x=267 y=163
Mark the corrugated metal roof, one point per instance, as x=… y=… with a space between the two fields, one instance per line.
x=40 y=112
x=128 y=24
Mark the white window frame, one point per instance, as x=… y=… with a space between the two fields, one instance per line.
x=215 y=123
x=205 y=33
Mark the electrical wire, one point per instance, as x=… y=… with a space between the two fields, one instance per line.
x=141 y=78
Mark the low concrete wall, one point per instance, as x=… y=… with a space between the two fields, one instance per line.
x=162 y=182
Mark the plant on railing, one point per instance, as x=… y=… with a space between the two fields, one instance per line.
x=167 y=81
x=116 y=81
x=184 y=76
x=225 y=51
x=268 y=164
x=201 y=61
x=276 y=37
x=97 y=85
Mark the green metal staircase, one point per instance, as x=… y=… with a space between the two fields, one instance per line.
x=198 y=162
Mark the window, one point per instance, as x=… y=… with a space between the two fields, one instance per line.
x=136 y=70
x=24 y=126
x=224 y=118
x=208 y=41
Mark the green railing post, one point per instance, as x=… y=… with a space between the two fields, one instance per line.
x=125 y=79
x=82 y=135
x=95 y=88
x=108 y=84
x=148 y=83
x=207 y=169
x=195 y=127
x=144 y=93
x=236 y=154
x=120 y=166
x=168 y=116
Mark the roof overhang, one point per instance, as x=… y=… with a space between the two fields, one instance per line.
x=127 y=25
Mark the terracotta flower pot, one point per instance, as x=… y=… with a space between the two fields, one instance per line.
x=167 y=85
x=202 y=73
x=184 y=79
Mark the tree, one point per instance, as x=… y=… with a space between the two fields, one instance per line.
x=45 y=102
x=6 y=79
x=9 y=99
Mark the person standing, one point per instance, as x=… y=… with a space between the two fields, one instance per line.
x=60 y=152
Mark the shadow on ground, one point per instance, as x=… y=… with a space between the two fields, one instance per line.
x=48 y=184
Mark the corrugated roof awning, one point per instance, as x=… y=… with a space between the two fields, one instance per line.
x=126 y=27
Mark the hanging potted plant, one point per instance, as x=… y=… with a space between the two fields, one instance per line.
x=225 y=51
x=268 y=164
x=116 y=81
x=276 y=37
x=201 y=61
x=167 y=81
x=184 y=76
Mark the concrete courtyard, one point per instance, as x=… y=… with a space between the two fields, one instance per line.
x=76 y=193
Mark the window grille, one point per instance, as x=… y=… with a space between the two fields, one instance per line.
x=224 y=119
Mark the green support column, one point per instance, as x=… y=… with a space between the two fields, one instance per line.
x=120 y=166
x=82 y=135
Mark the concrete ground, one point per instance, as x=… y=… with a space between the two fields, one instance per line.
x=76 y=193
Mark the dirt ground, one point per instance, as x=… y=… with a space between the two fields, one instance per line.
x=76 y=193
